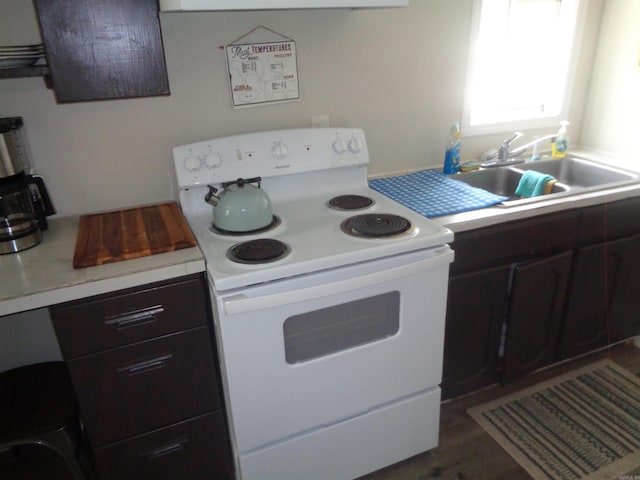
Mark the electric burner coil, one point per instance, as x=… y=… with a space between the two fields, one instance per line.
x=350 y=202
x=375 y=225
x=258 y=251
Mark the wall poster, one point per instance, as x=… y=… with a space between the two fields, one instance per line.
x=262 y=73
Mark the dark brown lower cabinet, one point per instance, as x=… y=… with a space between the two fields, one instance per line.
x=475 y=310
x=625 y=311
x=538 y=290
x=133 y=389
x=604 y=297
x=574 y=287
x=145 y=375
x=593 y=283
x=503 y=322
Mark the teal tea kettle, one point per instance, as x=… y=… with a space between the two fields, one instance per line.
x=241 y=207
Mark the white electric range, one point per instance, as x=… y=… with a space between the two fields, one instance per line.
x=334 y=344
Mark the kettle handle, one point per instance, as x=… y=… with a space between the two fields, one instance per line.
x=41 y=201
x=242 y=181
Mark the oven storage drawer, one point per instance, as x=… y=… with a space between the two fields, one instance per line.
x=195 y=450
x=356 y=446
x=131 y=390
x=112 y=320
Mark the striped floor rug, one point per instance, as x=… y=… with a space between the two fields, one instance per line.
x=582 y=425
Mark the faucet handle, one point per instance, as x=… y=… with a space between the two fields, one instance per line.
x=503 y=153
x=516 y=136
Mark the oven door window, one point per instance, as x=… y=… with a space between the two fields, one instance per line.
x=341 y=327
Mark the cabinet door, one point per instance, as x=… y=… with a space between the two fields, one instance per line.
x=102 y=49
x=537 y=298
x=625 y=309
x=596 y=282
x=475 y=312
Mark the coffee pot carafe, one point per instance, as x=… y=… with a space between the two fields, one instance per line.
x=24 y=200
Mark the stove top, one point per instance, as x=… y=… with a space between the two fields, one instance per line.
x=316 y=171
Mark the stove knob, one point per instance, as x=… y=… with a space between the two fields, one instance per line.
x=354 y=145
x=212 y=159
x=280 y=150
x=339 y=147
x=192 y=163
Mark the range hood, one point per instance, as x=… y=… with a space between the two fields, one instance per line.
x=207 y=5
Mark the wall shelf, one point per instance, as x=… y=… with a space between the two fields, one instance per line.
x=21 y=72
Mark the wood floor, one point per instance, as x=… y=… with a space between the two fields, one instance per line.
x=467 y=452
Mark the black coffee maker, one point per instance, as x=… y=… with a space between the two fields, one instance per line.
x=24 y=200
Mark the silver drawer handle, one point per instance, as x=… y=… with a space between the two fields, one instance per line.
x=166 y=450
x=132 y=319
x=146 y=365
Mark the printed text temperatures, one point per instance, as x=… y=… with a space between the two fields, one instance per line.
x=244 y=53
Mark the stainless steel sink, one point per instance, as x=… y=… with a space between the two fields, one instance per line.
x=578 y=172
x=574 y=175
x=502 y=181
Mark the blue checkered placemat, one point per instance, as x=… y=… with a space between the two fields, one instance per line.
x=433 y=194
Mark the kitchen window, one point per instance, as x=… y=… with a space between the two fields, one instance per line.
x=522 y=58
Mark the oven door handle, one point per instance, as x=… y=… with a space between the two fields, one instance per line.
x=240 y=303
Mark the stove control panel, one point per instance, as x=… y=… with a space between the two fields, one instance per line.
x=269 y=154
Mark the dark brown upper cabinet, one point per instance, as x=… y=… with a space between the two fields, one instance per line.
x=103 y=49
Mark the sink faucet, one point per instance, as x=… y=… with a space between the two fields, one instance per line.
x=505 y=152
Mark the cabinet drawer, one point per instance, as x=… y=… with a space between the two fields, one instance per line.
x=134 y=389
x=514 y=241
x=609 y=221
x=122 y=318
x=196 y=450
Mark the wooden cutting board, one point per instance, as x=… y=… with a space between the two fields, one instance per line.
x=132 y=233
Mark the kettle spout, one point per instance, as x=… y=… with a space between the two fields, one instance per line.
x=211 y=197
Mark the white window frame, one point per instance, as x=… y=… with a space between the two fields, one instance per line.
x=574 y=16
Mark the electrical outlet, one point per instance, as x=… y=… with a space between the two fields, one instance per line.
x=320 y=121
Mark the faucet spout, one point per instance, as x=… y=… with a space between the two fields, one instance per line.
x=536 y=141
x=503 y=152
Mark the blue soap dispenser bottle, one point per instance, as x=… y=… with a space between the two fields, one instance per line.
x=452 y=153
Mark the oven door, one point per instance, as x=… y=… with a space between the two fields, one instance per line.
x=310 y=352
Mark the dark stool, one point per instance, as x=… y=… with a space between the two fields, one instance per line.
x=37 y=406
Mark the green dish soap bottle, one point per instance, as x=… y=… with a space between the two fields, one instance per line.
x=452 y=153
x=561 y=145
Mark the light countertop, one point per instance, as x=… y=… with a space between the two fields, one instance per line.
x=44 y=275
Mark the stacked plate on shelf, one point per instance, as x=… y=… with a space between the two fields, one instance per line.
x=16 y=56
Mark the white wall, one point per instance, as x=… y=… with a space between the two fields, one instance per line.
x=611 y=119
x=396 y=73
x=27 y=337
x=387 y=71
